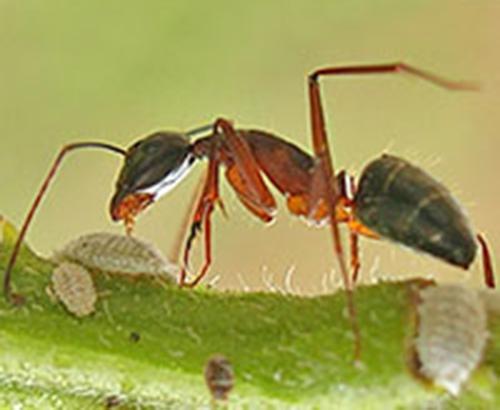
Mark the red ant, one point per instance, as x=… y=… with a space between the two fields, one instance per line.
x=393 y=200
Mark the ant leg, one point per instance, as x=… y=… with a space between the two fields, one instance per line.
x=195 y=228
x=208 y=249
x=175 y=251
x=251 y=185
x=244 y=176
x=243 y=173
x=234 y=178
x=489 y=276
x=201 y=217
x=355 y=263
x=208 y=241
x=390 y=68
x=357 y=229
x=39 y=196
x=331 y=195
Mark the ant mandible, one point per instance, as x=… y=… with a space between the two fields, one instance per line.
x=394 y=199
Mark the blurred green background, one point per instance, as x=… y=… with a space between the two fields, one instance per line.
x=116 y=70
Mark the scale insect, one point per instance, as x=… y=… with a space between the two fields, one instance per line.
x=74 y=287
x=121 y=254
x=394 y=199
x=452 y=334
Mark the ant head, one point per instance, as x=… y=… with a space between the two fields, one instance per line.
x=153 y=166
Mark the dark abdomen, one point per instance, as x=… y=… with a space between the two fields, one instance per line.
x=403 y=203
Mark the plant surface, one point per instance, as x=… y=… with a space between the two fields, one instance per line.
x=148 y=341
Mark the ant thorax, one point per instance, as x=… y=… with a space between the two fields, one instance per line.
x=171 y=179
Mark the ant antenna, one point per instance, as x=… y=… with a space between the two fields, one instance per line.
x=199 y=130
x=52 y=171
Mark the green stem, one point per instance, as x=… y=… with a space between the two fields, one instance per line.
x=287 y=351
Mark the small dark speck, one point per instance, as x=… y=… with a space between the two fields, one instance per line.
x=112 y=402
x=219 y=376
x=134 y=337
x=17 y=299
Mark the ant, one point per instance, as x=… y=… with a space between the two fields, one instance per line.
x=394 y=199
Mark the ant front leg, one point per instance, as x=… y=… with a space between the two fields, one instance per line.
x=201 y=221
x=176 y=249
x=243 y=173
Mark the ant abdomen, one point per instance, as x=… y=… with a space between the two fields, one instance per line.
x=401 y=202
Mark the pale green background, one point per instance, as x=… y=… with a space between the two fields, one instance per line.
x=116 y=70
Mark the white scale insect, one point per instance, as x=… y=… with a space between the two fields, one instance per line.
x=116 y=254
x=72 y=282
x=452 y=335
x=73 y=286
